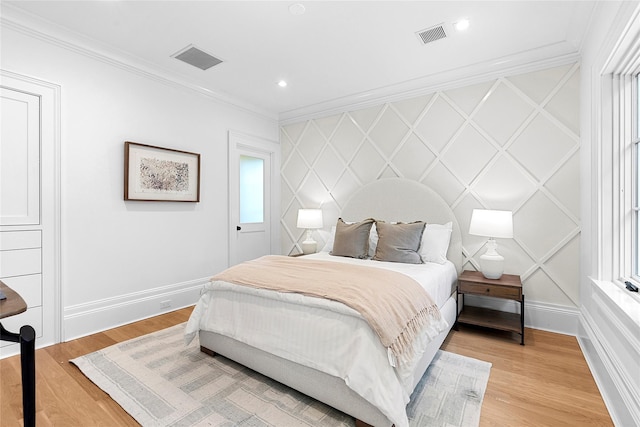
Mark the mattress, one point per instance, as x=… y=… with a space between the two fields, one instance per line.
x=323 y=334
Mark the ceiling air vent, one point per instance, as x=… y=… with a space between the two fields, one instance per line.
x=197 y=57
x=432 y=34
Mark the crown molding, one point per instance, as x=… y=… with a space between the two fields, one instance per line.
x=22 y=22
x=524 y=62
x=546 y=57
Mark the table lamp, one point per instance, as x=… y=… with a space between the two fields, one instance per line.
x=310 y=219
x=492 y=224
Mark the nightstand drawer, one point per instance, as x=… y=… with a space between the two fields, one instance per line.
x=489 y=290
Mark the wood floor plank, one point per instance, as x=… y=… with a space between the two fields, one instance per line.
x=10 y=392
x=543 y=383
x=64 y=401
x=546 y=382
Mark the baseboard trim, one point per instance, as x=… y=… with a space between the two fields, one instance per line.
x=97 y=316
x=612 y=387
x=537 y=315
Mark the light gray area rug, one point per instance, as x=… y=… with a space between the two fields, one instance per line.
x=160 y=382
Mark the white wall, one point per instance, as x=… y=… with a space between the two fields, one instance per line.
x=609 y=338
x=120 y=259
x=508 y=143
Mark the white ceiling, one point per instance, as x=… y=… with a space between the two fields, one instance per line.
x=337 y=52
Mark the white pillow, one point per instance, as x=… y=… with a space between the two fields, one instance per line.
x=435 y=242
x=329 y=245
x=373 y=240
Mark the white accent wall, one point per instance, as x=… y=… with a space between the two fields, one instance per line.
x=509 y=143
x=123 y=261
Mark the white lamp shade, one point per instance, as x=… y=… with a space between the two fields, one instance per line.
x=491 y=223
x=309 y=218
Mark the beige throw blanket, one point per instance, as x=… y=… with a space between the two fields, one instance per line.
x=395 y=306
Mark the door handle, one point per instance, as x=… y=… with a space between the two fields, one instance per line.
x=238 y=228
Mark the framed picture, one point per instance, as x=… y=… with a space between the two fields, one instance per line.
x=160 y=174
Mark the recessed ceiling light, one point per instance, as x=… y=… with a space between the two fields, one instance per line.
x=461 y=25
x=282 y=83
x=297 y=9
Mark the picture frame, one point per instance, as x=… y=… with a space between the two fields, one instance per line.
x=160 y=174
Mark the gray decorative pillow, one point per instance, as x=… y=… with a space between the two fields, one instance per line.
x=399 y=242
x=352 y=240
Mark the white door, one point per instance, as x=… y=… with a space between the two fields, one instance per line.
x=253 y=197
x=29 y=207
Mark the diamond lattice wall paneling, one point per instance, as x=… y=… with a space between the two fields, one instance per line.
x=511 y=143
x=346 y=138
x=468 y=98
x=389 y=132
x=468 y=154
x=311 y=143
x=563 y=182
x=439 y=123
x=504 y=185
x=366 y=117
x=327 y=125
x=444 y=182
x=367 y=163
x=502 y=112
x=413 y=157
x=541 y=146
x=410 y=109
x=329 y=167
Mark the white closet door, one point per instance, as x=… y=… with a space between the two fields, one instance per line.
x=29 y=204
x=19 y=158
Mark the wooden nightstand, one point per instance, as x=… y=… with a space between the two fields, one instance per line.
x=508 y=286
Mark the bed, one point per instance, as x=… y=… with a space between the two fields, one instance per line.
x=323 y=348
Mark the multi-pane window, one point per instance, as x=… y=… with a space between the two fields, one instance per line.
x=636 y=201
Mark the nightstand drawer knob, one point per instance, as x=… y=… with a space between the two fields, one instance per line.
x=488 y=290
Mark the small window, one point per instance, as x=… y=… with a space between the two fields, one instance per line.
x=251 y=189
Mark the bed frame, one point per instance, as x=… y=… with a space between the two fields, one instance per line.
x=392 y=199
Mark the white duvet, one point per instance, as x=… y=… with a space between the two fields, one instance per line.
x=323 y=334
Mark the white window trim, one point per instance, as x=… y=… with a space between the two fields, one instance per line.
x=635 y=143
x=616 y=224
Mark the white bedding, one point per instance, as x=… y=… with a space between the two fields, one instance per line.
x=323 y=334
x=436 y=279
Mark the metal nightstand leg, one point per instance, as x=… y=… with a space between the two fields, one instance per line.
x=455 y=323
x=27 y=339
x=522 y=321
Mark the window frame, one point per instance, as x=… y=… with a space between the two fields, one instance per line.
x=635 y=142
x=618 y=186
x=625 y=265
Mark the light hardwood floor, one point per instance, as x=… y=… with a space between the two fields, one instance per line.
x=544 y=383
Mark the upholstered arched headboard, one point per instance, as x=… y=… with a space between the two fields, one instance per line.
x=398 y=199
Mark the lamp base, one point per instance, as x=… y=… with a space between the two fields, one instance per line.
x=492 y=263
x=309 y=247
